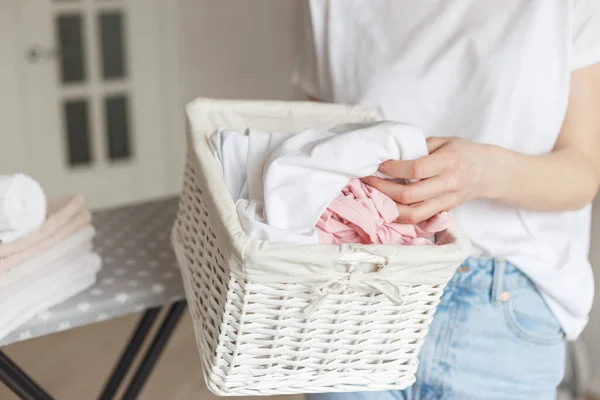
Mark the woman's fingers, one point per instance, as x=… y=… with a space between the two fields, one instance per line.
x=438 y=160
x=435 y=143
x=413 y=192
x=439 y=186
x=422 y=168
x=419 y=212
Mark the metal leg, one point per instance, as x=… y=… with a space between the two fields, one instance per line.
x=27 y=389
x=19 y=382
x=128 y=356
x=154 y=351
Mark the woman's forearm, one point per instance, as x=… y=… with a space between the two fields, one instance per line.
x=562 y=180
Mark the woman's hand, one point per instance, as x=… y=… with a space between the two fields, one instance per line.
x=454 y=172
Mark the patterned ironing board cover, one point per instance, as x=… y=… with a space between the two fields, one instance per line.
x=139 y=271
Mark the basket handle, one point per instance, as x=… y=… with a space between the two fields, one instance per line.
x=357 y=280
x=368 y=282
x=361 y=254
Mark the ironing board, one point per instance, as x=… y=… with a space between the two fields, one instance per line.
x=139 y=273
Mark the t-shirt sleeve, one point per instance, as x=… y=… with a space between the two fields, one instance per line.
x=306 y=68
x=586 y=33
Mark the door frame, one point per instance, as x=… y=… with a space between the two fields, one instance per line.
x=172 y=81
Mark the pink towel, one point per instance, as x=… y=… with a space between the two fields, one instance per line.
x=58 y=214
x=64 y=218
x=363 y=214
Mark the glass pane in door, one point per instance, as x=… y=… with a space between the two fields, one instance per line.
x=77 y=127
x=117 y=127
x=70 y=38
x=111 y=44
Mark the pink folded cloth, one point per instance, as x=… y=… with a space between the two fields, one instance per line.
x=64 y=217
x=363 y=214
x=58 y=214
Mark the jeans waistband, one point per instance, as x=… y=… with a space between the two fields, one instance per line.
x=490 y=274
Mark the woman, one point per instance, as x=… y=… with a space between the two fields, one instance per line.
x=509 y=95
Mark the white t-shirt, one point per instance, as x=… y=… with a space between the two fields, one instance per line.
x=492 y=72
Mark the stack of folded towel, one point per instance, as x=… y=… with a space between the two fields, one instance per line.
x=46 y=253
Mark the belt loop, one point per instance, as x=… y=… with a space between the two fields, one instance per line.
x=498 y=280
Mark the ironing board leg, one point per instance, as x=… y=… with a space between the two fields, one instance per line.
x=19 y=382
x=153 y=353
x=27 y=389
x=128 y=356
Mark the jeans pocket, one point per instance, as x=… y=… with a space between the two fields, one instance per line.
x=528 y=316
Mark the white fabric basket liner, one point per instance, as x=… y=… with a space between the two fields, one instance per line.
x=315 y=271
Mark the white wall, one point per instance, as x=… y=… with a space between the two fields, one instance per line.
x=239 y=49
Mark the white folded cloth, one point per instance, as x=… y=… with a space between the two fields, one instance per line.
x=42 y=264
x=282 y=183
x=64 y=279
x=22 y=206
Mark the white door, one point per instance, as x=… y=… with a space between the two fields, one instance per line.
x=92 y=98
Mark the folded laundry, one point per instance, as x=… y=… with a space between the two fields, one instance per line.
x=79 y=221
x=11 y=290
x=40 y=264
x=59 y=213
x=69 y=277
x=283 y=183
x=362 y=214
x=22 y=206
x=47 y=265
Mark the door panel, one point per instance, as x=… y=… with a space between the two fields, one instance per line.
x=92 y=92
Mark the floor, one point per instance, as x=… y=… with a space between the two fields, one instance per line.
x=72 y=365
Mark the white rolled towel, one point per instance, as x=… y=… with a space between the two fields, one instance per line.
x=22 y=206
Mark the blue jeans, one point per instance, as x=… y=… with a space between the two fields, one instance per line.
x=492 y=337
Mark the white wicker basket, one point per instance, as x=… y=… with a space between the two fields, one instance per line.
x=369 y=307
